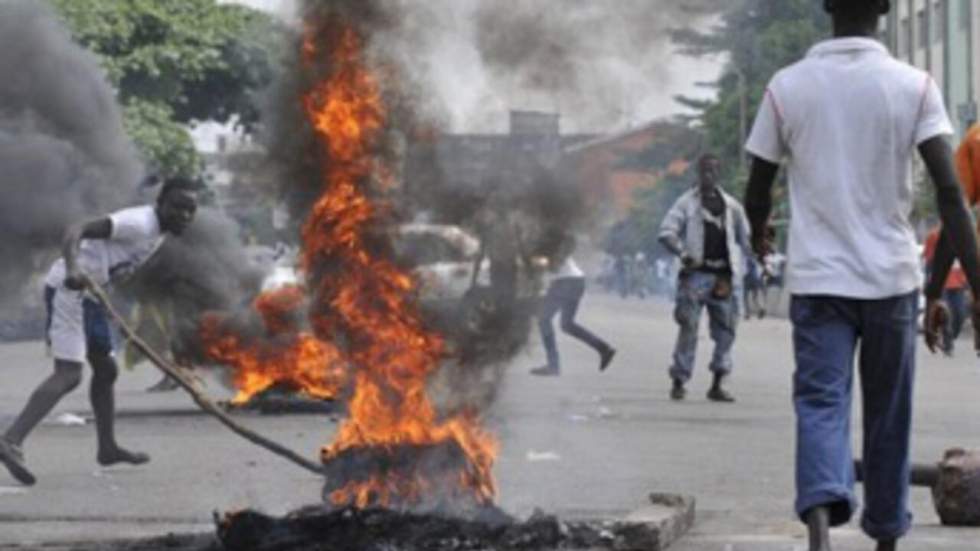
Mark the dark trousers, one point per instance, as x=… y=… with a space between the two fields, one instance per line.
x=564 y=295
x=958 y=310
x=826 y=334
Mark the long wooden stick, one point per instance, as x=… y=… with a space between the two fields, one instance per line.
x=190 y=384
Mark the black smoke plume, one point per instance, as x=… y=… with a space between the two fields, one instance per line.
x=63 y=153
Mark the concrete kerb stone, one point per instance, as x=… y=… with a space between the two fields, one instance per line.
x=667 y=518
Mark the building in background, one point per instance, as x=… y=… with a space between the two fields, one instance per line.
x=943 y=38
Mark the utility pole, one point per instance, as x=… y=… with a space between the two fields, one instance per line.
x=743 y=108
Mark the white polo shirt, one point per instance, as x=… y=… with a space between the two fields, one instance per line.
x=847 y=119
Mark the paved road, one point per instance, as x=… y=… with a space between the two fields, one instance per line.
x=584 y=444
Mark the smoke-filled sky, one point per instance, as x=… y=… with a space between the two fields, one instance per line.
x=63 y=152
x=603 y=64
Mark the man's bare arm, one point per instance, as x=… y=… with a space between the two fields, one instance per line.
x=758 y=201
x=95 y=229
x=958 y=235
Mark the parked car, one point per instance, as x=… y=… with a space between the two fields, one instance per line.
x=442 y=258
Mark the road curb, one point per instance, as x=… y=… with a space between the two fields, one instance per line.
x=668 y=517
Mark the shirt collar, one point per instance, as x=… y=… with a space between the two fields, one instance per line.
x=848 y=44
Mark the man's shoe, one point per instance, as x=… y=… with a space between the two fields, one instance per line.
x=166 y=384
x=13 y=458
x=606 y=358
x=546 y=371
x=886 y=545
x=677 y=392
x=120 y=455
x=718 y=394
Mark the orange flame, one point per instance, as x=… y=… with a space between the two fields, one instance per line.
x=371 y=300
x=362 y=299
x=284 y=356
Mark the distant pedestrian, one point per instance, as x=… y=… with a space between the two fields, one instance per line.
x=847 y=120
x=707 y=229
x=968 y=169
x=105 y=250
x=773 y=276
x=563 y=296
x=754 y=289
x=955 y=294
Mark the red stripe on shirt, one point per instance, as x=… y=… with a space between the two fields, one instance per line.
x=922 y=100
x=775 y=105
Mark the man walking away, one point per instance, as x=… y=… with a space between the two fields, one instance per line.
x=105 y=250
x=707 y=229
x=563 y=295
x=847 y=120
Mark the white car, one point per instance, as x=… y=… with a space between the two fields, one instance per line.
x=441 y=258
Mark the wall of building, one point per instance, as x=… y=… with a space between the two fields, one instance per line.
x=941 y=37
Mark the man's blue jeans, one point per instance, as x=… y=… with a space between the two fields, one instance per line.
x=694 y=292
x=826 y=333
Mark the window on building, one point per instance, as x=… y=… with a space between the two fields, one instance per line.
x=965 y=14
x=938 y=21
x=923 y=29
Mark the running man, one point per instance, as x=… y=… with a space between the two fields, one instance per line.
x=104 y=251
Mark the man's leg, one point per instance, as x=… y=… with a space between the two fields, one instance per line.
x=747 y=298
x=102 y=390
x=571 y=297
x=550 y=304
x=956 y=300
x=687 y=314
x=887 y=374
x=723 y=316
x=65 y=335
x=825 y=333
x=102 y=395
x=66 y=377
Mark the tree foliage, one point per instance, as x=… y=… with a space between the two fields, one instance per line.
x=174 y=62
x=759 y=37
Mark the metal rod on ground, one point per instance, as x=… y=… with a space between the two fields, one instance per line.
x=925 y=476
x=188 y=384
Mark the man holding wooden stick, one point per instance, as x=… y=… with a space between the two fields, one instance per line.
x=102 y=251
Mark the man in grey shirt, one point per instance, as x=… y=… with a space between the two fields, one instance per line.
x=708 y=230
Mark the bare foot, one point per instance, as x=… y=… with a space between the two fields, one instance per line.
x=120 y=455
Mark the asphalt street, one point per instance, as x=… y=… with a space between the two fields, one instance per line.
x=581 y=445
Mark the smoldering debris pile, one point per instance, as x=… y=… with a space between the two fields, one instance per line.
x=387 y=530
x=318 y=529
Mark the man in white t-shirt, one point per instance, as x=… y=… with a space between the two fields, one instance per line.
x=847 y=120
x=105 y=251
x=565 y=290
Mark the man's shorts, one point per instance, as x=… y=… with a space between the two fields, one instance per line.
x=77 y=326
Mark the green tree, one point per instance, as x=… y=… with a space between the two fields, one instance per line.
x=174 y=62
x=759 y=37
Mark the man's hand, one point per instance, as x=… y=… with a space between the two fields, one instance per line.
x=937 y=316
x=688 y=262
x=77 y=281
